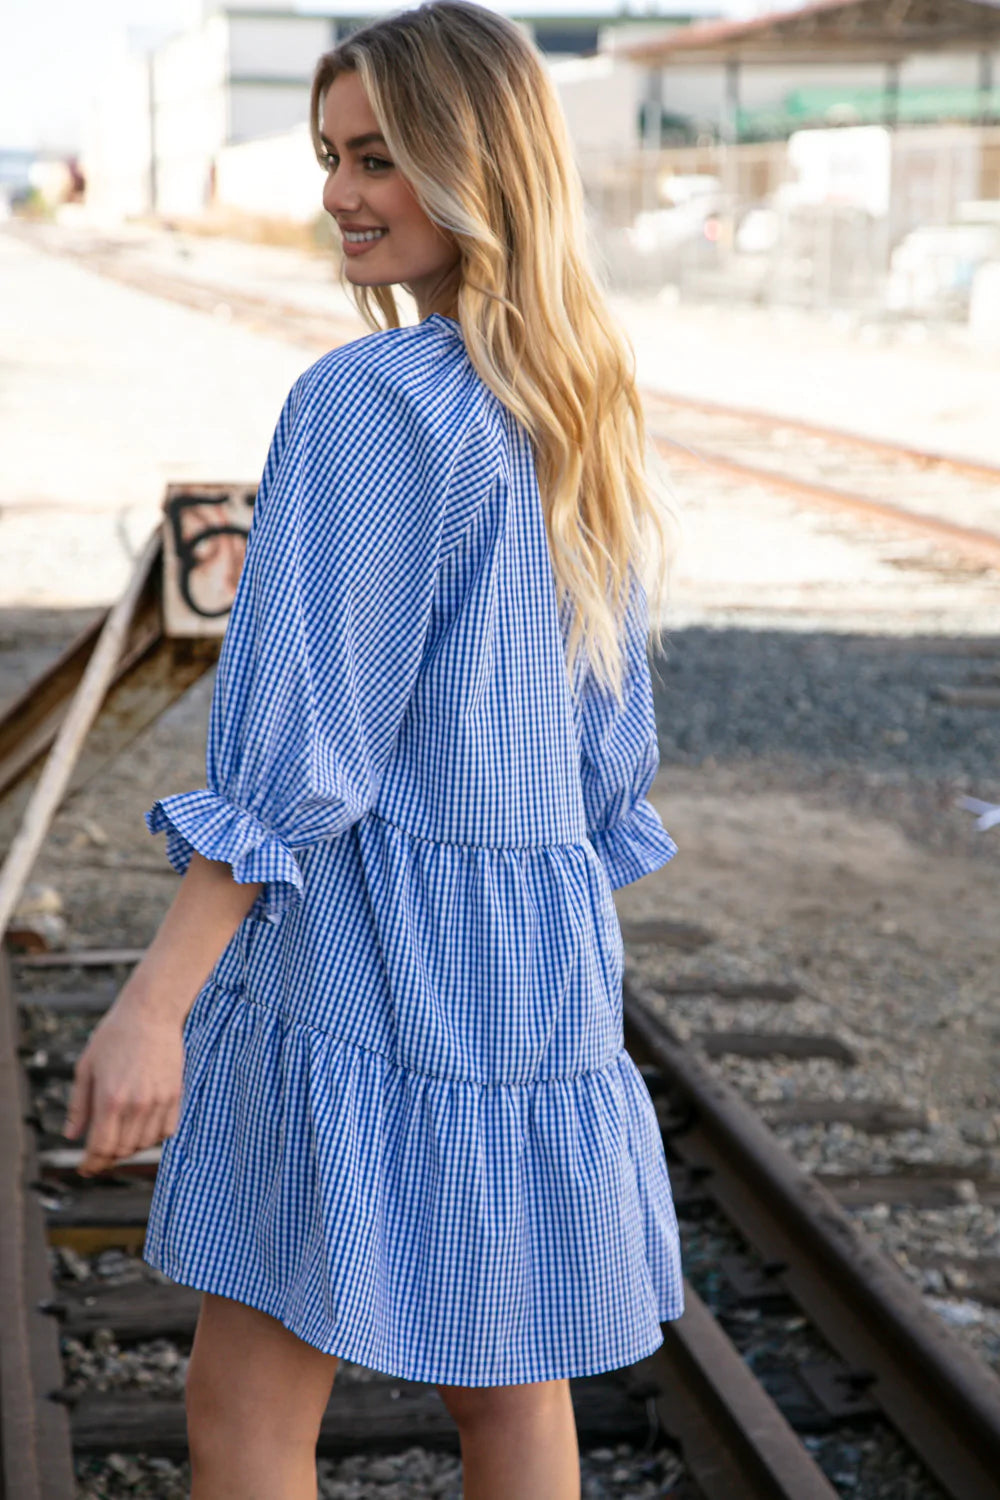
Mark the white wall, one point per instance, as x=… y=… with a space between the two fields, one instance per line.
x=277 y=46
x=600 y=99
x=232 y=78
x=115 y=152
x=190 y=114
x=276 y=177
x=257 y=109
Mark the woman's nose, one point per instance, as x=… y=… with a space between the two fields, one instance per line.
x=339 y=196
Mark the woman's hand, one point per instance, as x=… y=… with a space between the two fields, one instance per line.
x=127 y=1084
x=128 y=1080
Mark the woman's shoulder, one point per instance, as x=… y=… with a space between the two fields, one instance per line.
x=397 y=417
x=420 y=367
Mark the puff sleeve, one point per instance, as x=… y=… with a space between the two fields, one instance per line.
x=356 y=507
x=619 y=756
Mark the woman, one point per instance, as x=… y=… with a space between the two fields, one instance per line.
x=410 y=1135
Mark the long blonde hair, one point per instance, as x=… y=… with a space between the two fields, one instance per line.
x=473 y=121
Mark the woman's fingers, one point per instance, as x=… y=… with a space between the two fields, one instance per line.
x=122 y=1129
x=164 y=1123
x=117 y=1132
x=78 y=1108
x=138 y=1130
x=102 y=1142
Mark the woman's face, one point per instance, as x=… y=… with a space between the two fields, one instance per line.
x=365 y=190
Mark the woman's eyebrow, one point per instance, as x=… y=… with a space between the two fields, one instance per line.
x=356 y=141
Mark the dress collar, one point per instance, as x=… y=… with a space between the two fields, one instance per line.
x=443 y=318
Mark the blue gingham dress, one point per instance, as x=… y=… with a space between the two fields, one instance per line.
x=409 y=1129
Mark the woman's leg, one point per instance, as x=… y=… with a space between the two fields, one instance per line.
x=255 y=1397
x=519 y=1442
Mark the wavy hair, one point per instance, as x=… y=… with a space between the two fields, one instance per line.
x=472 y=119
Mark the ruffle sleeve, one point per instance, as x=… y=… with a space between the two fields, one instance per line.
x=619 y=757
x=372 y=475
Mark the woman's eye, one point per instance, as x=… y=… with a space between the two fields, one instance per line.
x=330 y=159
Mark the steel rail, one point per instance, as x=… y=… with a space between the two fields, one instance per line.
x=935 y=1392
x=36 y=1460
x=734 y=1439
x=971 y=541
x=925 y=457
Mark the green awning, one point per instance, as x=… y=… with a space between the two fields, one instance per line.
x=818 y=107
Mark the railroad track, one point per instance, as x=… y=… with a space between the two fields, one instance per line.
x=951 y=502
x=885 y=1357
x=896 y=1353
x=793 y=1246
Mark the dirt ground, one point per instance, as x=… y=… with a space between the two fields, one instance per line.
x=896 y=941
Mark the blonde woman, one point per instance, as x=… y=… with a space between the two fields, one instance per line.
x=409 y=1134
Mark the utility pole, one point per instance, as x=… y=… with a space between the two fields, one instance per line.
x=151 y=104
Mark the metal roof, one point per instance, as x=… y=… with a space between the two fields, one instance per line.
x=830 y=31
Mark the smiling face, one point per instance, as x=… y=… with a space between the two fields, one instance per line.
x=364 y=190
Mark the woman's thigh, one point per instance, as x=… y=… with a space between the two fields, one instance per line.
x=249 y=1374
x=499 y=1406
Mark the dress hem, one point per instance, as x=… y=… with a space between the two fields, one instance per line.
x=219 y=1286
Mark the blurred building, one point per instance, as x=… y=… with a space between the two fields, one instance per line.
x=841 y=152
x=172 y=127
x=216 y=116
x=163 y=116
x=822 y=63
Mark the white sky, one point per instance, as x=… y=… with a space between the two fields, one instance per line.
x=52 y=51
x=52 y=56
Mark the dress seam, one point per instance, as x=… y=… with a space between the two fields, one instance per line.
x=424 y=838
x=418 y=1072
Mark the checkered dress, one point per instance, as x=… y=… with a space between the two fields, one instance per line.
x=409 y=1128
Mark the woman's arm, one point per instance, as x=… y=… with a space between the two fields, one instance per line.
x=204 y=915
x=127 y=1085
